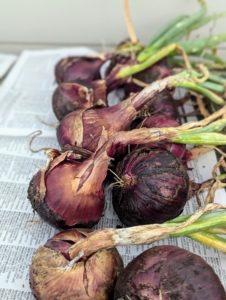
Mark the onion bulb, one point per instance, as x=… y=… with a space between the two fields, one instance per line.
x=83 y=94
x=83 y=128
x=153 y=187
x=168 y=272
x=73 y=265
x=54 y=275
x=66 y=192
x=74 y=68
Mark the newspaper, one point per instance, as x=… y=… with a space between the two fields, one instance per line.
x=25 y=101
x=6 y=62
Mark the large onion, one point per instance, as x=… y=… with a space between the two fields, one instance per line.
x=153 y=187
x=54 y=275
x=66 y=193
x=168 y=272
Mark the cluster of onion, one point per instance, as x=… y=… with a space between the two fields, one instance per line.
x=68 y=192
x=153 y=184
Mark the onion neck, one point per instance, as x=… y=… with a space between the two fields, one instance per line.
x=146 y=234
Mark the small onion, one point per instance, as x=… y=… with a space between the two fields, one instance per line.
x=56 y=275
x=160 y=70
x=74 y=68
x=161 y=121
x=163 y=103
x=168 y=272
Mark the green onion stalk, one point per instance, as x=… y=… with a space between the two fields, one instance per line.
x=198 y=45
x=207 y=135
x=209 y=239
x=162 y=45
x=196 y=59
x=214 y=87
x=204 y=219
x=184 y=47
x=185 y=79
x=179 y=27
x=203 y=231
x=206 y=20
x=165 y=43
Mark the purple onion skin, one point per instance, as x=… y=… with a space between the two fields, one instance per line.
x=83 y=94
x=83 y=128
x=70 y=69
x=160 y=121
x=67 y=194
x=163 y=103
x=168 y=273
x=155 y=187
x=90 y=278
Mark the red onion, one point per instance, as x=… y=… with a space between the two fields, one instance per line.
x=83 y=128
x=163 y=103
x=84 y=68
x=161 y=121
x=66 y=193
x=117 y=62
x=168 y=272
x=56 y=275
x=153 y=187
x=82 y=94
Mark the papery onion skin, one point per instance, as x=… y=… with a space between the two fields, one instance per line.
x=83 y=128
x=168 y=272
x=83 y=94
x=90 y=278
x=154 y=187
x=66 y=193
